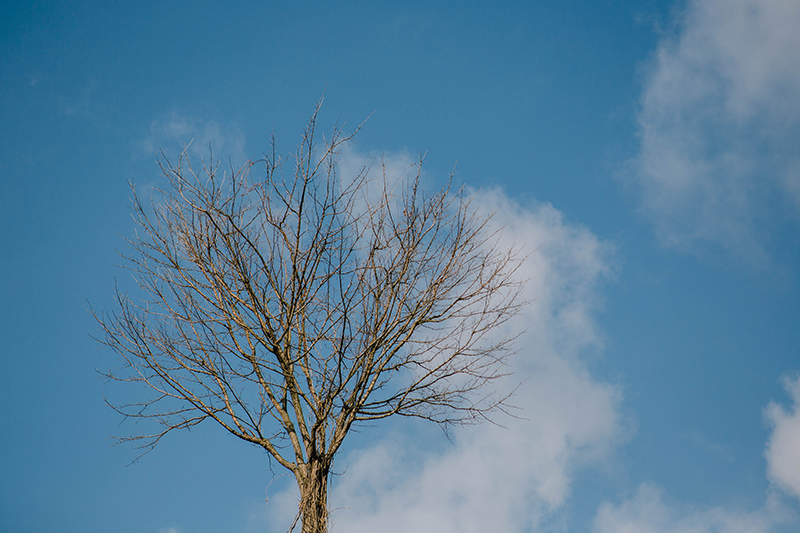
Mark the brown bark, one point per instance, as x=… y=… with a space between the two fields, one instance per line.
x=314 y=497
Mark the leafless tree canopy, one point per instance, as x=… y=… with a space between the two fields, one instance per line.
x=288 y=308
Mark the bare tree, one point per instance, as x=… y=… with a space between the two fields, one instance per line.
x=289 y=309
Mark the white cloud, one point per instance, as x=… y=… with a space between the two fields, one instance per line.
x=175 y=132
x=783 y=449
x=492 y=478
x=646 y=512
x=719 y=125
x=396 y=168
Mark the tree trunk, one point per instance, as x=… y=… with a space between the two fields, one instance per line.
x=314 y=497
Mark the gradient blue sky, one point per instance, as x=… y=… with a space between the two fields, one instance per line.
x=648 y=151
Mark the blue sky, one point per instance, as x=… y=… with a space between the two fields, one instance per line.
x=649 y=152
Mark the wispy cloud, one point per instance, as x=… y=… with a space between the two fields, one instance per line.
x=647 y=512
x=783 y=449
x=175 y=132
x=719 y=163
